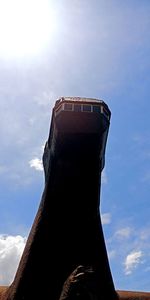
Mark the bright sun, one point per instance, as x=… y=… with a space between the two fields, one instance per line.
x=25 y=26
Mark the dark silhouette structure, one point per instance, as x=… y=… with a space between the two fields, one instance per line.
x=67 y=230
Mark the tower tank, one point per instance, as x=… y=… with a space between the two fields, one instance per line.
x=67 y=230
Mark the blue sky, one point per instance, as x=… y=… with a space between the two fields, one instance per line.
x=98 y=49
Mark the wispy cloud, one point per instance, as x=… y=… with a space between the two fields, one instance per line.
x=123 y=233
x=145 y=234
x=24 y=128
x=132 y=260
x=45 y=98
x=11 y=248
x=106 y=218
x=111 y=254
x=36 y=163
x=104 y=177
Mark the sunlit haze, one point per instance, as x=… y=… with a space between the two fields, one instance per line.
x=25 y=26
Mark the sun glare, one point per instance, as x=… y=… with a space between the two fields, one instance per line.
x=25 y=26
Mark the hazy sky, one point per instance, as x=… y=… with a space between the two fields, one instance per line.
x=98 y=49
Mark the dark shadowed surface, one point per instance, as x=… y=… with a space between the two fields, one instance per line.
x=67 y=230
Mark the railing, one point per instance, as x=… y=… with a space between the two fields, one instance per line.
x=83 y=108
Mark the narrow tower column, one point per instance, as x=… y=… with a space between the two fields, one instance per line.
x=67 y=230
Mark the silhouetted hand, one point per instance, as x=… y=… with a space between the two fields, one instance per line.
x=79 y=285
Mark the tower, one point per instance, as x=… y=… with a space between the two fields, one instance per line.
x=67 y=229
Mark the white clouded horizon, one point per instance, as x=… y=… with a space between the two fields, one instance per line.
x=132 y=261
x=11 y=248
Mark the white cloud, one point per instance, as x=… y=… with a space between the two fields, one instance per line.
x=36 y=163
x=111 y=254
x=106 y=218
x=145 y=234
x=42 y=148
x=123 y=232
x=104 y=177
x=46 y=98
x=132 y=261
x=11 y=248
